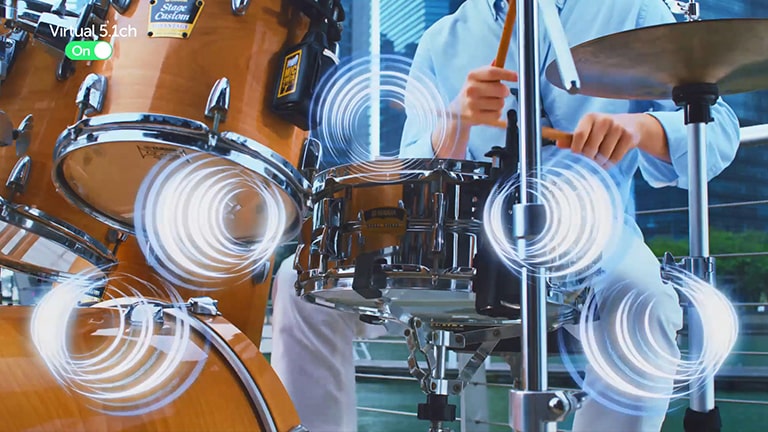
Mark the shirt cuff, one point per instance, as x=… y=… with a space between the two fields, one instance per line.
x=659 y=173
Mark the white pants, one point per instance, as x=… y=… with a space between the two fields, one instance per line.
x=312 y=355
x=312 y=349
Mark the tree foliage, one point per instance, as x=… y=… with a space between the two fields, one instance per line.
x=745 y=278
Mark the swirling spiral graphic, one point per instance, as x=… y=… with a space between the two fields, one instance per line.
x=341 y=113
x=582 y=222
x=625 y=336
x=122 y=367
x=201 y=219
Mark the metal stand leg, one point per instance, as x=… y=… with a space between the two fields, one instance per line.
x=697 y=99
x=533 y=409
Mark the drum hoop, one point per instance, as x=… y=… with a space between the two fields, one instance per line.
x=195 y=136
x=216 y=339
x=416 y=169
x=248 y=382
x=54 y=230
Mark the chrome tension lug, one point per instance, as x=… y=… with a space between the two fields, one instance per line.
x=217 y=106
x=91 y=95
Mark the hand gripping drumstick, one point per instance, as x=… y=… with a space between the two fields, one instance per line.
x=501 y=58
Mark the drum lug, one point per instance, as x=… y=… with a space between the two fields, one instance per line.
x=23 y=135
x=261 y=273
x=309 y=162
x=115 y=238
x=329 y=243
x=239 y=7
x=438 y=229
x=91 y=95
x=218 y=103
x=204 y=306
x=120 y=5
x=65 y=70
x=17 y=180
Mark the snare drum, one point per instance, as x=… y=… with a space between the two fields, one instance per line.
x=41 y=234
x=235 y=390
x=399 y=247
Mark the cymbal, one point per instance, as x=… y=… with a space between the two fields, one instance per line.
x=646 y=63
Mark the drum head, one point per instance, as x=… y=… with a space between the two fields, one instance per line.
x=101 y=163
x=43 y=247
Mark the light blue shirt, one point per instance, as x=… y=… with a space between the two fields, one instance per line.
x=469 y=38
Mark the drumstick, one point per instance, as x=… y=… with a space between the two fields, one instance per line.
x=506 y=35
x=546 y=132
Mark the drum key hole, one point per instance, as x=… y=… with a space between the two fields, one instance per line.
x=184 y=35
x=152 y=2
x=199 y=3
x=149 y=34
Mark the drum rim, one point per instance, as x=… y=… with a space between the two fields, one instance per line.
x=51 y=229
x=237 y=149
x=340 y=174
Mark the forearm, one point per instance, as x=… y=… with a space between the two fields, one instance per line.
x=450 y=141
x=649 y=134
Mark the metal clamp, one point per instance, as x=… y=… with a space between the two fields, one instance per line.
x=528 y=220
x=217 y=106
x=11 y=45
x=528 y=410
x=120 y=5
x=204 y=306
x=702 y=267
x=139 y=312
x=91 y=95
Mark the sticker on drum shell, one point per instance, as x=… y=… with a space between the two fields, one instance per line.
x=384 y=220
x=173 y=18
x=159 y=152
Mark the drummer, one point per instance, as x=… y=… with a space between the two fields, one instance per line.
x=456 y=54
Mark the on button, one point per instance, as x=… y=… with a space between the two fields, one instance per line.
x=88 y=50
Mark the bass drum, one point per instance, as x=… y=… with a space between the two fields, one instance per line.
x=242 y=302
x=235 y=389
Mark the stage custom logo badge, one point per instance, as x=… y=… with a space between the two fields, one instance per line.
x=290 y=77
x=384 y=220
x=159 y=152
x=173 y=18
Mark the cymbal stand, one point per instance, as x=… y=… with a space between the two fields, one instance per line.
x=534 y=408
x=697 y=101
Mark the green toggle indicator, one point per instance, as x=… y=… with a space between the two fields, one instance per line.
x=88 y=50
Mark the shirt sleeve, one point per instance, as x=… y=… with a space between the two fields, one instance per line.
x=722 y=134
x=416 y=142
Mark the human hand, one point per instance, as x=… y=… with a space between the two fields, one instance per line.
x=604 y=138
x=481 y=100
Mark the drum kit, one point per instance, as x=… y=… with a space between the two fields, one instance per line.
x=408 y=248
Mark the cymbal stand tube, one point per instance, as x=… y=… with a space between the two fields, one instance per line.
x=697 y=100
